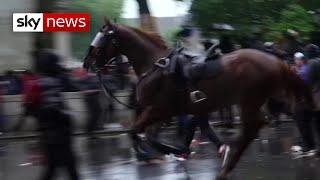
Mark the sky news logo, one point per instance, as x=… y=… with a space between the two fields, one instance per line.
x=51 y=22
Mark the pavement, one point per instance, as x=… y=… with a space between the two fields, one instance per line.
x=112 y=158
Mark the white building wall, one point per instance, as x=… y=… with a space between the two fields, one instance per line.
x=14 y=47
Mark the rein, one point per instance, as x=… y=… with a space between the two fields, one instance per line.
x=108 y=92
x=99 y=40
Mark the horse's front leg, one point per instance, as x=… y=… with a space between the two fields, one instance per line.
x=152 y=118
x=142 y=121
x=152 y=135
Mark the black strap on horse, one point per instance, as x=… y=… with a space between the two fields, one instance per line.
x=108 y=92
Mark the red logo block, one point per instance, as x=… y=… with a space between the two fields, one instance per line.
x=66 y=22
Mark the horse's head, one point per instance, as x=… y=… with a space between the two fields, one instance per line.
x=141 y=48
x=103 y=48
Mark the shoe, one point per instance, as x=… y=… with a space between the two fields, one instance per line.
x=199 y=141
x=298 y=152
x=181 y=157
x=202 y=142
x=224 y=153
x=197 y=96
x=318 y=155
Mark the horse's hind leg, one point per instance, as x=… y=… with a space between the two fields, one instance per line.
x=252 y=122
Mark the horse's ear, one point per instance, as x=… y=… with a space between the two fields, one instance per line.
x=107 y=21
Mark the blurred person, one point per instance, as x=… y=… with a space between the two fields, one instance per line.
x=192 y=60
x=226 y=44
x=301 y=65
x=288 y=45
x=2 y=118
x=227 y=117
x=188 y=130
x=29 y=104
x=308 y=68
x=193 y=66
x=54 y=119
x=90 y=88
x=14 y=83
x=91 y=91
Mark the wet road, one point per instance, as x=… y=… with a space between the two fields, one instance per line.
x=111 y=158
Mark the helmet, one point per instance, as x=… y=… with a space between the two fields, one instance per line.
x=312 y=51
x=298 y=55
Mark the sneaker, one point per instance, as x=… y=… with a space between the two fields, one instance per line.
x=197 y=96
x=181 y=157
x=224 y=153
x=296 y=150
x=300 y=153
x=199 y=141
x=318 y=155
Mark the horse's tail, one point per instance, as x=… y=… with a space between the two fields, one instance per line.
x=296 y=87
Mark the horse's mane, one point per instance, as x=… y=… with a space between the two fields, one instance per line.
x=151 y=36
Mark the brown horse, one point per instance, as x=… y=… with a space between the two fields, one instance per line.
x=248 y=78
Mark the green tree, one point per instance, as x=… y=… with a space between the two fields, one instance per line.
x=297 y=18
x=247 y=16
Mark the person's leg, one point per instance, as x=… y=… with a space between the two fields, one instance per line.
x=317 y=128
x=51 y=164
x=2 y=124
x=110 y=112
x=303 y=118
x=181 y=125
x=190 y=126
x=22 y=118
x=93 y=113
x=208 y=131
x=228 y=117
x=70 y=162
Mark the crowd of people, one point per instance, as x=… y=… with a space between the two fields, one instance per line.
x=25 y=84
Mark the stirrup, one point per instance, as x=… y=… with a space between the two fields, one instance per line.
x=197 y=96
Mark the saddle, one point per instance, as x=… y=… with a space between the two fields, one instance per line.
x=187 y=70
x=194 y=68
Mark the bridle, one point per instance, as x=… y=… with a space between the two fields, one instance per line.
x=100 y=42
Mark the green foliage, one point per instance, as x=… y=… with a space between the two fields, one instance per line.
x=171 y=35
x=97 y=9
x=253 y=16
x=295 y=17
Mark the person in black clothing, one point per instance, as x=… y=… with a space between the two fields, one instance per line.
x=192 y=47
x=91 y=91
x=226 y=45
x=54 y=120
x=307 y=119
